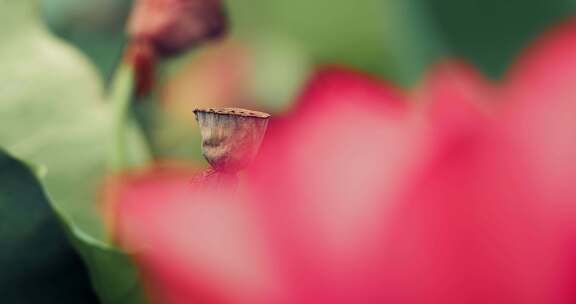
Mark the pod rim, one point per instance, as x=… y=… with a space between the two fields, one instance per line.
x=233 y=112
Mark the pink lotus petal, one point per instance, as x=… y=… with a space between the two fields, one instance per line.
x=359 y=196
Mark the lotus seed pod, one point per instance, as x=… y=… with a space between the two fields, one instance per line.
x=231 y=137
x=173 y=26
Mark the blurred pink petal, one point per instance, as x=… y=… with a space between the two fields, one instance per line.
x=456 y=97
x=360 y=196
x=339 y=85
x=542 y=112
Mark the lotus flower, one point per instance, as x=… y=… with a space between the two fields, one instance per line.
x=460 y=191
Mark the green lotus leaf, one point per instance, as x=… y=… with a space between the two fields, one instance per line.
x=38 y=262
x=53 y=113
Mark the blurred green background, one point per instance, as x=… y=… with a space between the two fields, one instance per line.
x=94 y=26
x=272 y=49
x=396 y=38
x=285 y=39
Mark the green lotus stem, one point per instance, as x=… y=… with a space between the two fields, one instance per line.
x=120 y=96
x=125 y=132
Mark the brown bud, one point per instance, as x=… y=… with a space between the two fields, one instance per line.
x=172 y=26
x=231 y=137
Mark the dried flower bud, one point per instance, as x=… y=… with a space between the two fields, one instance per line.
x=231 y=137
x=172 y=26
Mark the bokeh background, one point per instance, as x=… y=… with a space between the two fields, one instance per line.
x=395 y=38
x=56 y=248
x=391 y=37
x=274 y=45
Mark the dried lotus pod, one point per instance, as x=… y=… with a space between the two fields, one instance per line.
x=231 y=137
